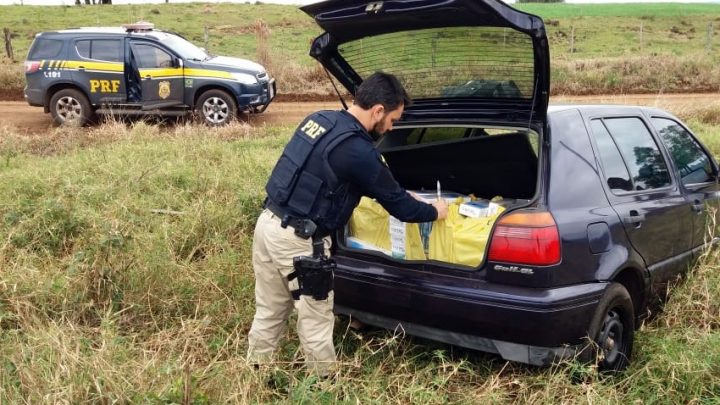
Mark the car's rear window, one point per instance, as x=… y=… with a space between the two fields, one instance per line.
x=450 y=62
x=44 y=48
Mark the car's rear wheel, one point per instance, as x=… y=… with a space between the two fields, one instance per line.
x=612 y=329
x=216 y=108
x=70 y=107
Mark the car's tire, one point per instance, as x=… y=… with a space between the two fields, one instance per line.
x=612 y=330
x=70 y=107
x=216 y=108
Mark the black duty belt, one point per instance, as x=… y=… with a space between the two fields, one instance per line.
x=304 y=228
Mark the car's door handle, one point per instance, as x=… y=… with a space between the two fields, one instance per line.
x=634 y=218
x=147 y=77
x=81 y=68
x=698 y=206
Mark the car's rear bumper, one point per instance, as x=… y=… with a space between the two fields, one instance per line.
x=521 y=324
x=523 y=353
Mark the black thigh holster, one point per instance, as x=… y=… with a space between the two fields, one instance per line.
x=314 y=273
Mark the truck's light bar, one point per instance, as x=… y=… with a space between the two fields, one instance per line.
x=139 y=26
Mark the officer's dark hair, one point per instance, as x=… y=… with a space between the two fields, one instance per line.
x=381 y=88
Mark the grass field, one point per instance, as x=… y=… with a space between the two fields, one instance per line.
x=595 y=48
x=126 y=278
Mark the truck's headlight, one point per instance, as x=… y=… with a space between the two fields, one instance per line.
x=244 y=78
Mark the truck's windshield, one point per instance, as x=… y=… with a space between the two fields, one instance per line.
x=184 y=48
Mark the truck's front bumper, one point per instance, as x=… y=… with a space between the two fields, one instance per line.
x=258 y=102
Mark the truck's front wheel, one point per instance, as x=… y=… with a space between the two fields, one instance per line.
x=70 y=107
x=216 y=108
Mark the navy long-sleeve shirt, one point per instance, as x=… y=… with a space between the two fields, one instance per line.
x=357 y=162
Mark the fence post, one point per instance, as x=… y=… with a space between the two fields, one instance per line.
x=206 y=38
x=434 y=51
x=8 y=44
x=642 y=45
x=708 y=44
x=572 y=39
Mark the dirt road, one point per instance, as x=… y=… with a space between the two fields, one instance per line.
x=31 y=120
x=20 y=117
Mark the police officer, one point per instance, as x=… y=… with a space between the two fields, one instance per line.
x=328 y=164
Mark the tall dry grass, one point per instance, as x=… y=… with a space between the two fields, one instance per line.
x=126 y=278
x=292 y=78
x=262 y=36
x=12 y=78
x=635 y=74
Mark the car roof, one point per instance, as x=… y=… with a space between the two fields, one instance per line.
x=605 y=108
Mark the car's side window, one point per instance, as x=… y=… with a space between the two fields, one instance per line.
x=616 y=173
x=639 y=153
x=692 y=163
x=149 y=56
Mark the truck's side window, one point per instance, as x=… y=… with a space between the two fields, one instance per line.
x=106 y=49
x=109 y=50
x=638 y=151
x=692 y=163
x=83 y=48
x=149 y=57
x=45 y=49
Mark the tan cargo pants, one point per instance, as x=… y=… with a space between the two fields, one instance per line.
x=273 y=250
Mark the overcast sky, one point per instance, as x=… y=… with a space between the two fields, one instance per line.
x=70 y=2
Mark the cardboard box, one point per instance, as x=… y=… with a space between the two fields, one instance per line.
x=478 y=209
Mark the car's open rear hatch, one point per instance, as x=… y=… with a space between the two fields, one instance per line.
x=456 y=58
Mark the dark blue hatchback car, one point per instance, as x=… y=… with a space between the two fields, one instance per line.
x=605 y=204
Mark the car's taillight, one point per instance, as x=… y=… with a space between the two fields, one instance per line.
x=32 y=67
x=526 y=238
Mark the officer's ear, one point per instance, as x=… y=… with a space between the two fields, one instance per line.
x=377 y=112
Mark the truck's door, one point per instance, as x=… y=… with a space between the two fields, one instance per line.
x=160 y=73
x=98 y=68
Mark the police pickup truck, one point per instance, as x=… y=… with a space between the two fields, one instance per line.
x=138 y=70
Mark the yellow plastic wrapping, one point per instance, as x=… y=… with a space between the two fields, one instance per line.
x=456 y=239
x=371 y=224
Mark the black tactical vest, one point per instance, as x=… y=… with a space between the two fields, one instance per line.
x=302 y=183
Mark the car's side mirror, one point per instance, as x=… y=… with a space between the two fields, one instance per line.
x=177 y=62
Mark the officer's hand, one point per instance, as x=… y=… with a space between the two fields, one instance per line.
x=442 y=209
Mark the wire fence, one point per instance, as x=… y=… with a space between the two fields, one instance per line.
x=688 y=38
